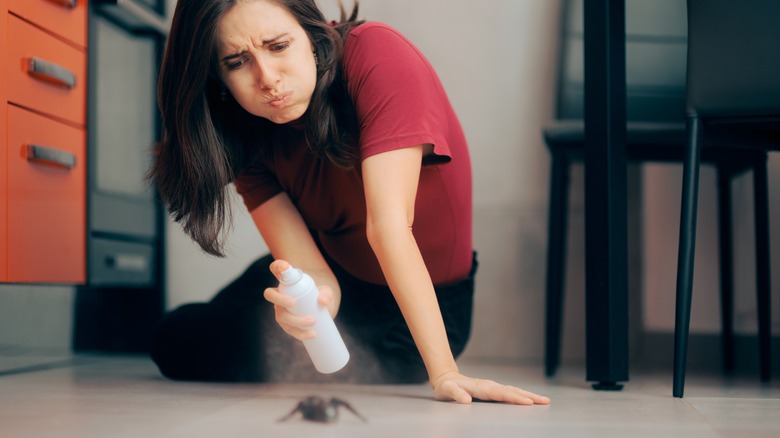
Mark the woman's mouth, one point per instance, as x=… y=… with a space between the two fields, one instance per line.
x=280 y=100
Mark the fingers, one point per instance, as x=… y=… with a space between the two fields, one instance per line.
x=273 y=296
x=462 y=389
x=325 y=297
x=451 y=391
x=493 y=391
x=513 y=394
x=278 y=266
x=296 y=326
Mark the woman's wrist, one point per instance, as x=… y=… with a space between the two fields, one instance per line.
x=322 y=278
x=442 y=374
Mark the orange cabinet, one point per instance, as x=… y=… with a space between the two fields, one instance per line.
x=65 y=18
x=44 y=73
x=43 y=173
x=46 y=199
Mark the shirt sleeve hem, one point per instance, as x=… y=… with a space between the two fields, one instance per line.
x=440 y=147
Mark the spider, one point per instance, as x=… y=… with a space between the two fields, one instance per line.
x=315 y=408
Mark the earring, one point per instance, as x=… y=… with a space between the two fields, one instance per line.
x=316 y=61
x=223 y=94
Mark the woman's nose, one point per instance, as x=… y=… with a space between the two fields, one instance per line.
x=269 y=86
x=266 y=74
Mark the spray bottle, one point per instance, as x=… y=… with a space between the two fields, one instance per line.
x=327 y=349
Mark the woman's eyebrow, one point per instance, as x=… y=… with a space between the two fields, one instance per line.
x=274 y=39
x=264 y=42
x=230 y=57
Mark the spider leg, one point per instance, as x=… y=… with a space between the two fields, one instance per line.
x=293 y=412
x=340 y=402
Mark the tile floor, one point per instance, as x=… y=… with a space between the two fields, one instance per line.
x=96 y=396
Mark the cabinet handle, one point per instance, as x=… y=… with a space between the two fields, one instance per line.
x=70 y=4
x=51 y=156
x=51 y=72
x=127 y=262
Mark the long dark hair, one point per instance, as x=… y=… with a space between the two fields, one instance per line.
x=207 y=138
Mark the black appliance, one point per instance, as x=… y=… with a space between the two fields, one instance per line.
x=124 y=295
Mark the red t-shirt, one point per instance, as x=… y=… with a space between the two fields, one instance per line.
x=400 y=103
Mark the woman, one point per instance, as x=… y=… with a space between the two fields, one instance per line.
x=346 y=151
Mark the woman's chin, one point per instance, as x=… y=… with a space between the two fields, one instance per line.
x=285 y=115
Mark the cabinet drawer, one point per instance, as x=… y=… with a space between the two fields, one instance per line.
x=56 y=84
x=66 y=18
x=46 y=200
x=117 y=263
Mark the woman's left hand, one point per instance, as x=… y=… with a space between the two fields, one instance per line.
x=454 y=386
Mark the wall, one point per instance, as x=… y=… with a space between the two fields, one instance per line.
x=35 y=317
x=662 y=213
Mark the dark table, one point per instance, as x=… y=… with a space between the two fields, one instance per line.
x=606 y=277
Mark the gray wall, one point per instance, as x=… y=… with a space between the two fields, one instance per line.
x=36 y=316
x=661 y=194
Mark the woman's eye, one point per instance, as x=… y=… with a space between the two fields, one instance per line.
x=278 y=47
x=236 y=64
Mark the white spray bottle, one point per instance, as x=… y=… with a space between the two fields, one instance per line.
x=327 y=349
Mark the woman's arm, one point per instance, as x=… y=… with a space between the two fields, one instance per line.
x=288 y=239
x=390 y=181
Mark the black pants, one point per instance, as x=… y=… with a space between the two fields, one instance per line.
x=235 y=337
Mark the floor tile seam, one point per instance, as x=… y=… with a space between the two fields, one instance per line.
x=714 y=427
x=40 y=367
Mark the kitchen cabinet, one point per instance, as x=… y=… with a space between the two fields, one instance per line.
x=46 y=211
x=43 y=191
x=77 y=122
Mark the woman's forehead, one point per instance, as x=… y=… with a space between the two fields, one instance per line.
x=255 y=20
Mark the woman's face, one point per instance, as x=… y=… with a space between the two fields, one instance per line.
x=266 y=60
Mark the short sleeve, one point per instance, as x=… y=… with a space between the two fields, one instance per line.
x=398 y=97
x=256 y=184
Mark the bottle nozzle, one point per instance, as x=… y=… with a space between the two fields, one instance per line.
x=291 y=275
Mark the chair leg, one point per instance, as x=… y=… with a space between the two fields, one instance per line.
x=761 y=205
x=690 y=192
x=726 y=267
x=556 y=260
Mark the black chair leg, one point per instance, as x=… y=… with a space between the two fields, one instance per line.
x=726 y=267
x=556 y=260
x=690 y=192
x=761 y=205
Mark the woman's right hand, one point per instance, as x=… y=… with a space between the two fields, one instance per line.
x=299 y=327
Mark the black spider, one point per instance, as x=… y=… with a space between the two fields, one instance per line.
x=315 y=408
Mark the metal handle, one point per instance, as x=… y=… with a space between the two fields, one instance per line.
x=51 y=156
x=127 y=262
x=70 y=4
x=136 y=17
x=51 y=72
